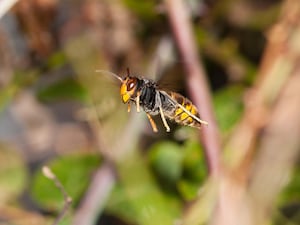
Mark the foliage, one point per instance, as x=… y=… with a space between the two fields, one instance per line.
x=65 y=89
x=228 y=107
x=51 y=55
x=73 y=171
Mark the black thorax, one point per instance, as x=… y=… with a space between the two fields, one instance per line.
x=147 y=90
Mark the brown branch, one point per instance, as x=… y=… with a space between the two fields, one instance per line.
x=279 y=149
x=96 y=196
x=272 y=105
x=279 y=61
x=232 y=202
x=196 y=80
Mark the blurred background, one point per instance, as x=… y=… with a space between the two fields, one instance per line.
x=238 y=61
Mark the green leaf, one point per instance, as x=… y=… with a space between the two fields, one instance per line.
x=166 y=160
x=194 y=170
x=73 y=171
x=291 y=192
x=188 y=189
x=194 y=164
x=63 y=89
x=143 y=9
x=228 y=106
x=56 y=60
x=138 y=199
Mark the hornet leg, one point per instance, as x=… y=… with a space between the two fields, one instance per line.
x=153 y=125
x=128 y=107
x=164 y=119
x=158 y=100
x=137 y=100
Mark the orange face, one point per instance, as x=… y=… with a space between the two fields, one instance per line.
x=128 y=88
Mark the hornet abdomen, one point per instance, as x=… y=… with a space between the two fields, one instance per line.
x=184 y=112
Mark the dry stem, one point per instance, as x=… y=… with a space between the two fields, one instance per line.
x=196 y=79
x=67 y=199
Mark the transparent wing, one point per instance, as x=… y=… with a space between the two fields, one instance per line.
x=176 y=104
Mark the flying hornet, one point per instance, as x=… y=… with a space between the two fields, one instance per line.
x=146 y=94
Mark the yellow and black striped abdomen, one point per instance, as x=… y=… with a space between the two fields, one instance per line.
x=185 y=113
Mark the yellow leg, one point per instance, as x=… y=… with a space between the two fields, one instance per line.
x=164 y=119
x=153 y=125
x=128 y=107
x=137 y=100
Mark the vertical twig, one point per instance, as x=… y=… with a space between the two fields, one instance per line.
x=67 y=199
x=98 y=192
x=196 y=80
x=279 y=149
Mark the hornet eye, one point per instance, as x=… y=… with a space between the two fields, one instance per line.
x=130 y=85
